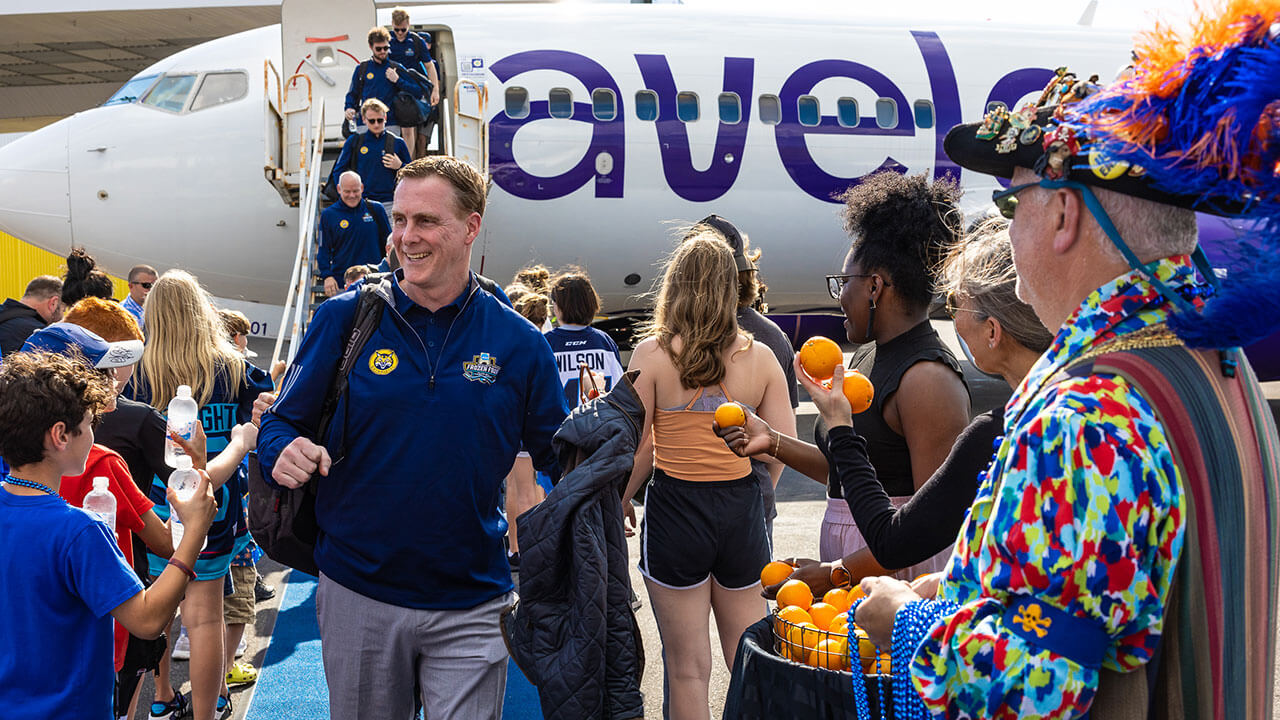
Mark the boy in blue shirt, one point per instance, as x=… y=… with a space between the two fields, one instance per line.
x=62 y=573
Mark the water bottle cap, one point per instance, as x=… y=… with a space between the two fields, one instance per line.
x=184 y=391
x=100 y=483
x=184 y=462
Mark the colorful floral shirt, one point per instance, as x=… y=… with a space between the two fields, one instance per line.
x=1082 y=509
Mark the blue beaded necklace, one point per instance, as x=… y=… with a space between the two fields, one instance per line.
x=30 y=484
x=912 y=623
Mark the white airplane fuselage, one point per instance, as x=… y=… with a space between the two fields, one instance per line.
x=134 y=183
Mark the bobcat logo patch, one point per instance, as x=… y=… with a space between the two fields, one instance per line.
x=483 y=368
x=383 y=362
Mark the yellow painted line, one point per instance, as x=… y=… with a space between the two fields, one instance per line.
x=20 y=261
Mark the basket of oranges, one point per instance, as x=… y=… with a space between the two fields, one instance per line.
x=818 y=632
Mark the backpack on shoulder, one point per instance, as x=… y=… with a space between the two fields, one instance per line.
x=282 y=520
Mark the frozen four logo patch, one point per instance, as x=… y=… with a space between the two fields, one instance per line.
x=382 y=362
x=482 y=368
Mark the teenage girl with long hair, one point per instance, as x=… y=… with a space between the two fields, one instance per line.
x=186 y=345
x=703 y=540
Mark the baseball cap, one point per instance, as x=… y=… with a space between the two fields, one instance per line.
x=731 y=235
x=70 y=339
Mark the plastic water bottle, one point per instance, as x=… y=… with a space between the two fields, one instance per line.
x=101 y=502
x=183 y=483
x=182 y=420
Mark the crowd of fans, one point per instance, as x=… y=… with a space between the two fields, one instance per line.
x=1053 y=533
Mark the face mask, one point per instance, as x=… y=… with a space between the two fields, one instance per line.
x=968 y=355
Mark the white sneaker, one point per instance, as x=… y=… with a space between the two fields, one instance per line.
x=241 y=647
x=182 y=646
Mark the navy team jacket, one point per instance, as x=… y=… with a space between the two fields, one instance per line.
x=409 y=511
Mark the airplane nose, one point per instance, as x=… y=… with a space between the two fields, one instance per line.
x=34 y=202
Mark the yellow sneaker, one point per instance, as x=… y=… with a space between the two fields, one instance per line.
x=241 y=674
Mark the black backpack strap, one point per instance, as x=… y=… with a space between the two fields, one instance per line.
x=384 y=228
x=363 y=68
x=487 y=284
x=388 y=143
x=368 y=315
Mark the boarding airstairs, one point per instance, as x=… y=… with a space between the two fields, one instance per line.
x=322 y=42
x=298 y=302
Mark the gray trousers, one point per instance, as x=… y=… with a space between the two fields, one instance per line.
x=375 y=654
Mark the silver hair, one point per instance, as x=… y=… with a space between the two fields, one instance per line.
x=1152 y=230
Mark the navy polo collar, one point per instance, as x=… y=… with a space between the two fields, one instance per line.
x=404 y=304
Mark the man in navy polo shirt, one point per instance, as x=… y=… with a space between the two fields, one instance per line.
x=378 y=154
x=445 y=392
x=379 y=77
x=352 y=232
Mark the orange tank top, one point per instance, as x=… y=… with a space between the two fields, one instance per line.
x=685 y=446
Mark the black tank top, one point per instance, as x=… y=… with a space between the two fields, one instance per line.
x=885 y=364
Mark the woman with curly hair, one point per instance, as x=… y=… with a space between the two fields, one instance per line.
x=703 y=541
x=901 y=227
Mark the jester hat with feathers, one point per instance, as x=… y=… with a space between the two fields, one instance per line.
x=1194 y=123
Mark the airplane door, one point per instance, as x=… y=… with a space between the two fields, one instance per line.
x=321 y=43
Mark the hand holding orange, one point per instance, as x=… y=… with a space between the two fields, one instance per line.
x=819 y=357
x=730 y=414
x=774 y=573
x=857 y=390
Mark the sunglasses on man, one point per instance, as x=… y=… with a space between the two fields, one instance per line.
x=145 y=286
x=1007 y=200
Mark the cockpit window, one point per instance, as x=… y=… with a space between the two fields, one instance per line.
x=220 y=87
x=171 y=92
x=132 y=90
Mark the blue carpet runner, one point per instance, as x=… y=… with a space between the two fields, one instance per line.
x=291 y=685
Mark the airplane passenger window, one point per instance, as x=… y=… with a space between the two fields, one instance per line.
x=171 y=92
x=517 y=102
x=810 y=114
x=604 y=106
x=646 y=105
x=730 y=108
x=687 y=107
x=886 y=112
x=770 y=110
x=131 y=91
x=560 y=103
x=924 y=114
x=847 y=112
x=219 y=88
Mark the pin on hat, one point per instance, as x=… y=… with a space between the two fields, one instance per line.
x=73 y=340
x=735 y=239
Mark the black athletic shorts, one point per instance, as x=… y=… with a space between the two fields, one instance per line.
x=695 y=530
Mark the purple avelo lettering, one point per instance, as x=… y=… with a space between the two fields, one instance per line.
x=607 y=136
x=946 y=99
x=790 y=134
x=673 y=136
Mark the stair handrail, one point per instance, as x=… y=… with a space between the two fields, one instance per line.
x=300 y=281
x=482 y=103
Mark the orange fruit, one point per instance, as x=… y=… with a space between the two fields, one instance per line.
x=822 y=614
x=857 y=390
x=856 y=594
x=803 y=638
x=794 y=615
x=775 y=572
x=795 y=592
x=819 y=357
x=730 y=414
x=840 y=623
x=838 y=598
x=829 y=654
x=886 y=664
x=866 y=650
